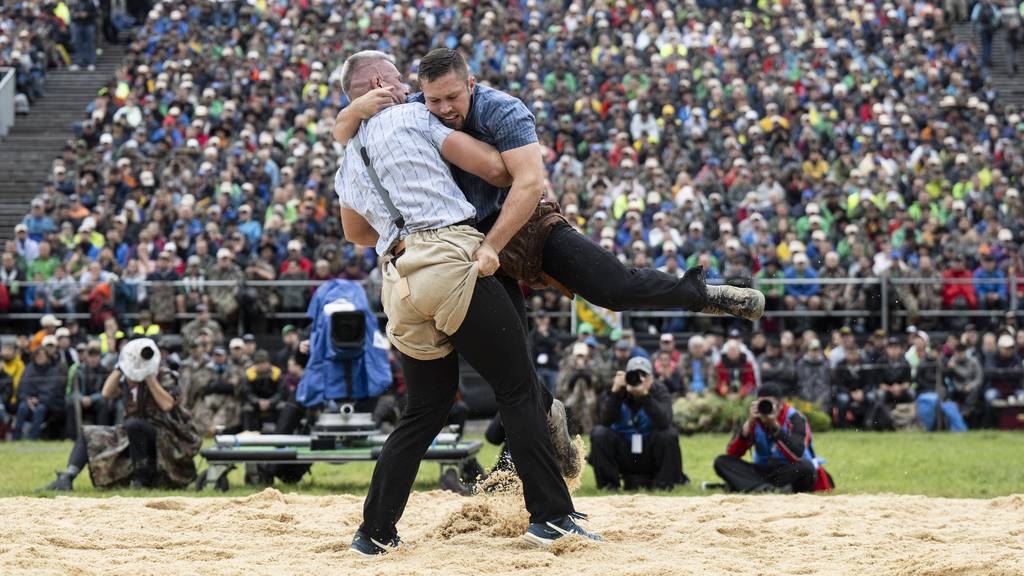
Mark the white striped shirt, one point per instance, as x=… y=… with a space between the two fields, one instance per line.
x=404 y=145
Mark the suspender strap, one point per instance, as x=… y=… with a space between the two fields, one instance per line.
x=396 y=217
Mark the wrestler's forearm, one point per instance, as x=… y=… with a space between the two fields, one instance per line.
x=519 y=206
x=527 y=170
x=346 y=124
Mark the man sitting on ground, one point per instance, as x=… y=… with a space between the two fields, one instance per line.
x=635 y=439
x=784 y=457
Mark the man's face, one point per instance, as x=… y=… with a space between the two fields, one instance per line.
x=7 y=353
x=92 y=357
x=448 y=98
x=893 y=351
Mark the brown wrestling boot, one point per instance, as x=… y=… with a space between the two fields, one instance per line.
x=721 y=300
x=745 y=303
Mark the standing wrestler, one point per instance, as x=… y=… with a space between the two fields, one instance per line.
x=397 y=194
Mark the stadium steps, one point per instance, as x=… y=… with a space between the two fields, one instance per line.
x=1010 y=88
x=36 y=139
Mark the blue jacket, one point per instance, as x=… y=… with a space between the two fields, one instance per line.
x=324 y=378
x=801 y=289
x=984 y=288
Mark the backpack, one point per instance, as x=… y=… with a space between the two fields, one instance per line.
x=986 y=18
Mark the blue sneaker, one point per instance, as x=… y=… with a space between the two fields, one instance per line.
x=363 y=544
x=544 y=533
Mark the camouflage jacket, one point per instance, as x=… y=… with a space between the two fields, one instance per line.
x=177 y=441
x=225 y=298
x=190 y=331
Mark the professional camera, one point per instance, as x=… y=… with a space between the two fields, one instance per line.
x=634 y=377
x=765 y=407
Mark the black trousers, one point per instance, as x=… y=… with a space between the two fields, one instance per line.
x=597 y=275
x=141 y=448
x=743 y=476
x=493 y=341
x=660 y=463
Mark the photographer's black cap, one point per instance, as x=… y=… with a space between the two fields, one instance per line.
x=769 y=390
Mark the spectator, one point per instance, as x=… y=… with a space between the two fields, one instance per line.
x=13 y=368
x=990 y=284
x=146 y=327
x=893 y=407
x=667 y=343
x=579 y=386
x=784 y=458
x=778 y=370
x=1004 y=374
x=926 y=374
x=203 y=322
x=735 y=372
x=83 y=33
x=544 y=343
x=85 y=389
x=985 y=18
x=219 y=405
x=698 y=372
x=957 y=287
x=667 y=374
x=803 y=296
x=634 y=440
x=161 y=293
x=854 y=394
x=290 y=345
x=238 y=358
x=40 y=392
x=814 y=377
x=49 y=324
x=966 y=379
x=224 y=298
x=264 y=393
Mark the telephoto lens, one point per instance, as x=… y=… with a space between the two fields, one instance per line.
x=765 y=407
x=634 y=377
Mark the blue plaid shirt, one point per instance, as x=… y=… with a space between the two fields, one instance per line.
x=502 y=121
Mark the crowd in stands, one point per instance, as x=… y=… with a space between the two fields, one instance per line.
x=763 y=141
x=797 y=140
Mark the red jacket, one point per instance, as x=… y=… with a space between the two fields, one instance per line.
x=736 y=377
x=951 y=291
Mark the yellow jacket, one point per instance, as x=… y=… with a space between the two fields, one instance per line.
x=14 y=368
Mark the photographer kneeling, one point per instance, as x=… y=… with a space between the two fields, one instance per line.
x=784 y=457
x=634 y=438
x=157 y=443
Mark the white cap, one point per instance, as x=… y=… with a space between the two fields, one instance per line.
x=1006 y=341
x=294 y=244
x=224 y=253
x=63 y=332
x=236 y=343
x=49 y=321
x=49 y=340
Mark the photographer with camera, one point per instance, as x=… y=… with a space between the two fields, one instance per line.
x=784 y=457
x=157 y=444
x=634 y=439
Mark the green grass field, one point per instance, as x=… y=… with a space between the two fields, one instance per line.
x=971 y=465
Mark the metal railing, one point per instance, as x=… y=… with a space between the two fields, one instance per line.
x=7 y=85
x=888 y=308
